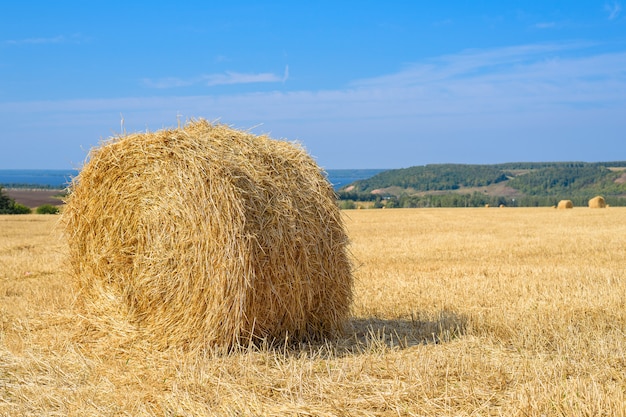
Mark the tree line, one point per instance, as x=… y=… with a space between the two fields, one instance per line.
x=9 y=206
x=533 y=184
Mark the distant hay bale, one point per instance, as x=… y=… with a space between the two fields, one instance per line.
x=597 y=202
x=565 y=204
x=502 y=206
x=208 y=236
x=486 y=205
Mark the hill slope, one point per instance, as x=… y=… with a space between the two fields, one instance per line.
x=527 y=184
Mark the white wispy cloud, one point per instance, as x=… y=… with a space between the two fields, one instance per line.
x=444 y=22
x=613 y=9
x=519 y=78
x=523 y=94
x=211 y=80
x=169 y=82
x=545 y=25
x=470 y=65
x=241 y=78
x=58 y=39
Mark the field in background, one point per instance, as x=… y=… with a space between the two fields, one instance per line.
x=35 y=198
x=516 y=312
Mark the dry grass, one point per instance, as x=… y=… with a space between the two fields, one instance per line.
x=517 y=312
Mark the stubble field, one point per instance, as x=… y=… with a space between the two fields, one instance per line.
x=512 y=312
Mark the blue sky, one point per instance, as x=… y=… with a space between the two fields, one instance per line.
x=364 y=84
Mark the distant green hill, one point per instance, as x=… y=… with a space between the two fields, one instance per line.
x=516 y=184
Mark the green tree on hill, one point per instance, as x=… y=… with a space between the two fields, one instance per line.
x=5 y=200
x=9 y=206
x=436 y=177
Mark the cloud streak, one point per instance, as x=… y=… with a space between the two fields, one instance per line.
x=545 y=25
x=614 y=9
x=212 y=80
x=529 y=95
x=59 y=39
x=521 y=78
x=243 y=78
x=471 y=65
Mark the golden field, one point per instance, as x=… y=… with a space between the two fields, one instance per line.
x=512 y=312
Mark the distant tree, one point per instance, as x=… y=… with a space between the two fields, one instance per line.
x=9 y=206
x=347 y=204
x=47 y=209
x=5 y=201
x=20 y=209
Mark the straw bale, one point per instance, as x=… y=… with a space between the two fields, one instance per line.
x=597 y=202
x=565 y=204
x=208 y=236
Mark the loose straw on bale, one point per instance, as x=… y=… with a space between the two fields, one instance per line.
x=565 y=204
x=597 y=202
x=208 y=236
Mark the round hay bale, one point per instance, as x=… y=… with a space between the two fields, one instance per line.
x=597 y=202
x=565 y=204
x=208 y=236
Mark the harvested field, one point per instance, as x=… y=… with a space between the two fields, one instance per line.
x=35 y=198
x=457 y=312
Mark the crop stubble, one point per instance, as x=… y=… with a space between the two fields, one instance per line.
x=456 y=312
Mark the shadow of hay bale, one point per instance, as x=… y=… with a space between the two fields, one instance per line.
x=363 y=335
x=404 y=333
x=370 y=334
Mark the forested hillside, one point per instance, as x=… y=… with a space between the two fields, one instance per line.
x=513 y=184
x=435 y=177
